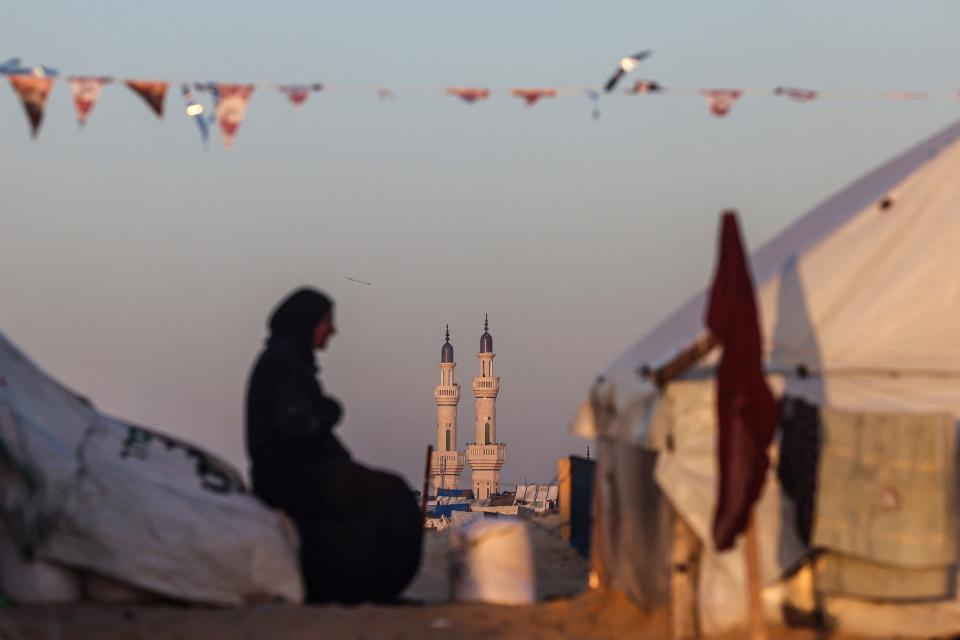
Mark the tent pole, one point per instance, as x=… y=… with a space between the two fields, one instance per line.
x=758 y=630
x=683 y=361
x=598 y=539
x=426 y=486
x=684 y=574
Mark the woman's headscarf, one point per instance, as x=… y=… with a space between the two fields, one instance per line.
x=295 y=319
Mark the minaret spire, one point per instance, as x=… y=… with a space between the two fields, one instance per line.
x=448 y=333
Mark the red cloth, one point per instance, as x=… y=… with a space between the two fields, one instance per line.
x=747 y=412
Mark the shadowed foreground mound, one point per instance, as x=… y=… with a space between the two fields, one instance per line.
x=600 y=615
x=592 y=615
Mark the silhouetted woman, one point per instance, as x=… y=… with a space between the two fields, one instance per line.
x=360 y=529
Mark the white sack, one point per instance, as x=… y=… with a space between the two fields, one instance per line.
x=492 y=561
x=131 y=504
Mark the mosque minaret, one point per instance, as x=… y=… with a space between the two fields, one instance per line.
x=447 y=463
x=485 y=455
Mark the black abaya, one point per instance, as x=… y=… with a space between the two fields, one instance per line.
x=360 y=529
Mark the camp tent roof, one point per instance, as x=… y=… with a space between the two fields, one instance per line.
x=864 y=289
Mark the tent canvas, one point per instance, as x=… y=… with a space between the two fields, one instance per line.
x=881 y=254
x=858 y=301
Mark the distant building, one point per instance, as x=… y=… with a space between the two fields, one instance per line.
x=485 y=455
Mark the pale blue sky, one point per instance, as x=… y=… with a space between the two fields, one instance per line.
x=139 y=269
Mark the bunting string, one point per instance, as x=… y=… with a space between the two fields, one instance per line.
x=225 y=104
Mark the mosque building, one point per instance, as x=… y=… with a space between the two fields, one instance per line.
x=485 y=455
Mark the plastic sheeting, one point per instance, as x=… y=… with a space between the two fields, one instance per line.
x=95 y=493
x=447 y=510
x=539 y=496
x=637 y=532
x=633 y=521
x=686 y=472
x=34 y=581
x=455 y=493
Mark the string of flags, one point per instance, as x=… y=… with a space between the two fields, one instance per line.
x=225 y=105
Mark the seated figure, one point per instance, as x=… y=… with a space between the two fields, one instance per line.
x=360 y=529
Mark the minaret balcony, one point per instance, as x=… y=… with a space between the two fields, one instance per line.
x=486 y=456
x=447 y=394
x=486 y=387
x=448 y=462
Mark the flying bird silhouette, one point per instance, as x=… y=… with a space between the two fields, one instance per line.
x=626 y=65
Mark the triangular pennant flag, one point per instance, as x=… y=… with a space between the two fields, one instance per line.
x=153 y=92
x=33 y=92
x=86 y=92
x=231 y=109
x=10 y=66
x=195 y=111
x=800 y=95
x=721 y=101
x=469 y=94
x=595 y=98
x=641 y=87
x=531 y=96
x=298 y=93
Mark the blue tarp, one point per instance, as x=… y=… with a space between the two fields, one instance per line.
x=581 y=499
x=447 y=509
x=455 y=493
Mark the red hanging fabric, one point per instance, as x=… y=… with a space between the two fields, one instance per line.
x=747 y=412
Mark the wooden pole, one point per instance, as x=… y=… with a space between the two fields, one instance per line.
x=598 y=520
x=426 y=485
x=758 y=629
x=684 y=576
x=682 y=361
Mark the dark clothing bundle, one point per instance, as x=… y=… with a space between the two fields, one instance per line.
x=360 y=529
x=799 y=456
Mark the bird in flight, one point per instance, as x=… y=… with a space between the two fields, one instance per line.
x=626 y=65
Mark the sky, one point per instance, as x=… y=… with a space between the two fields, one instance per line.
x=139 y=269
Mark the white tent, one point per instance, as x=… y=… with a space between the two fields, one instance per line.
x=82 y=493
x=861 y=298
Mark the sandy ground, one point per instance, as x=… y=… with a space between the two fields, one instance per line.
x=565 y=611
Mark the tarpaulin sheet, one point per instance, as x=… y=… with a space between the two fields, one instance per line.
x=132 y=504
